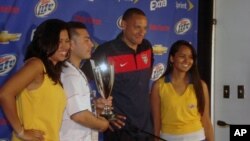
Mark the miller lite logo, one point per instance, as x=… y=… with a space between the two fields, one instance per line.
x=7 y=63
x=45 y=7
x=183 y=26
x=119 y=22
x=158 y=71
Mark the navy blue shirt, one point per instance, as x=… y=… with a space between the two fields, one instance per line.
x=132 y=75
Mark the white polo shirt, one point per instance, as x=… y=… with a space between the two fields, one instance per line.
x=78 y=99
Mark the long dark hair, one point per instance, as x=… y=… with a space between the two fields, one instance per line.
x=194 y=73
x=45 y=43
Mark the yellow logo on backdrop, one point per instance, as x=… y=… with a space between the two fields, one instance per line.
x=6 y=37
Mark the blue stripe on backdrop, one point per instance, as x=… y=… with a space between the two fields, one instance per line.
x=169 y=20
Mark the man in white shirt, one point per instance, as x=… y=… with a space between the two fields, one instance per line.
x=79 y=122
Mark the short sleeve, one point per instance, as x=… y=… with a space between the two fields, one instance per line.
x=78 y=94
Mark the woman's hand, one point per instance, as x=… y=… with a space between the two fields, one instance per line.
x=31 y=135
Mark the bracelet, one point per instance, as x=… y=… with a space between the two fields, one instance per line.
x=21 y=133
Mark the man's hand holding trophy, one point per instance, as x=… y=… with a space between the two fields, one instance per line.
x=104 y=78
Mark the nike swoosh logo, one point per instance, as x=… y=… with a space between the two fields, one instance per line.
x=124 y=64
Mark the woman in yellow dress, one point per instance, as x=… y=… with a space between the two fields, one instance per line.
x=33 y=99
x=180 y=101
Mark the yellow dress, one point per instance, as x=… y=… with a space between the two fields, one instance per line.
x=42 y=109
x=179 y=113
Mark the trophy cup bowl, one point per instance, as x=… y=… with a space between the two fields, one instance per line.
x=104 y=80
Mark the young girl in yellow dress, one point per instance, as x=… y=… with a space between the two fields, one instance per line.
x=180 y=101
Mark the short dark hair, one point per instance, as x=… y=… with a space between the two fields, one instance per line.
x=73 y=25
x=129 y=13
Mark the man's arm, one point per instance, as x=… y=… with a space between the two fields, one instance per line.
x=78 y=102
x=87 y=119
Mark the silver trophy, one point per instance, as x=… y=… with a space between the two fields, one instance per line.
x=104 y=78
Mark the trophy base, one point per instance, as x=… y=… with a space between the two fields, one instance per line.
x=109 y=117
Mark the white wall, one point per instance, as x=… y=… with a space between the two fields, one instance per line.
x=231 y=63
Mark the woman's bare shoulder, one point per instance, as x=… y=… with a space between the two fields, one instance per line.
x=35 y=63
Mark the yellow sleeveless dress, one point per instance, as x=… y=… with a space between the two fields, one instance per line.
x=42 y=109
x=179 y=113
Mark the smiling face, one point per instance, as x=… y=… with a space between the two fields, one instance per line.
x=81 y=44
x=182 y=60
x=63 y=47
x=134 y=29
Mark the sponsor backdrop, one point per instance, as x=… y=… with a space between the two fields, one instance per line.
x=169 y=20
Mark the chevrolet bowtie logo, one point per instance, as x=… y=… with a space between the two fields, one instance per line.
x=6 y=37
